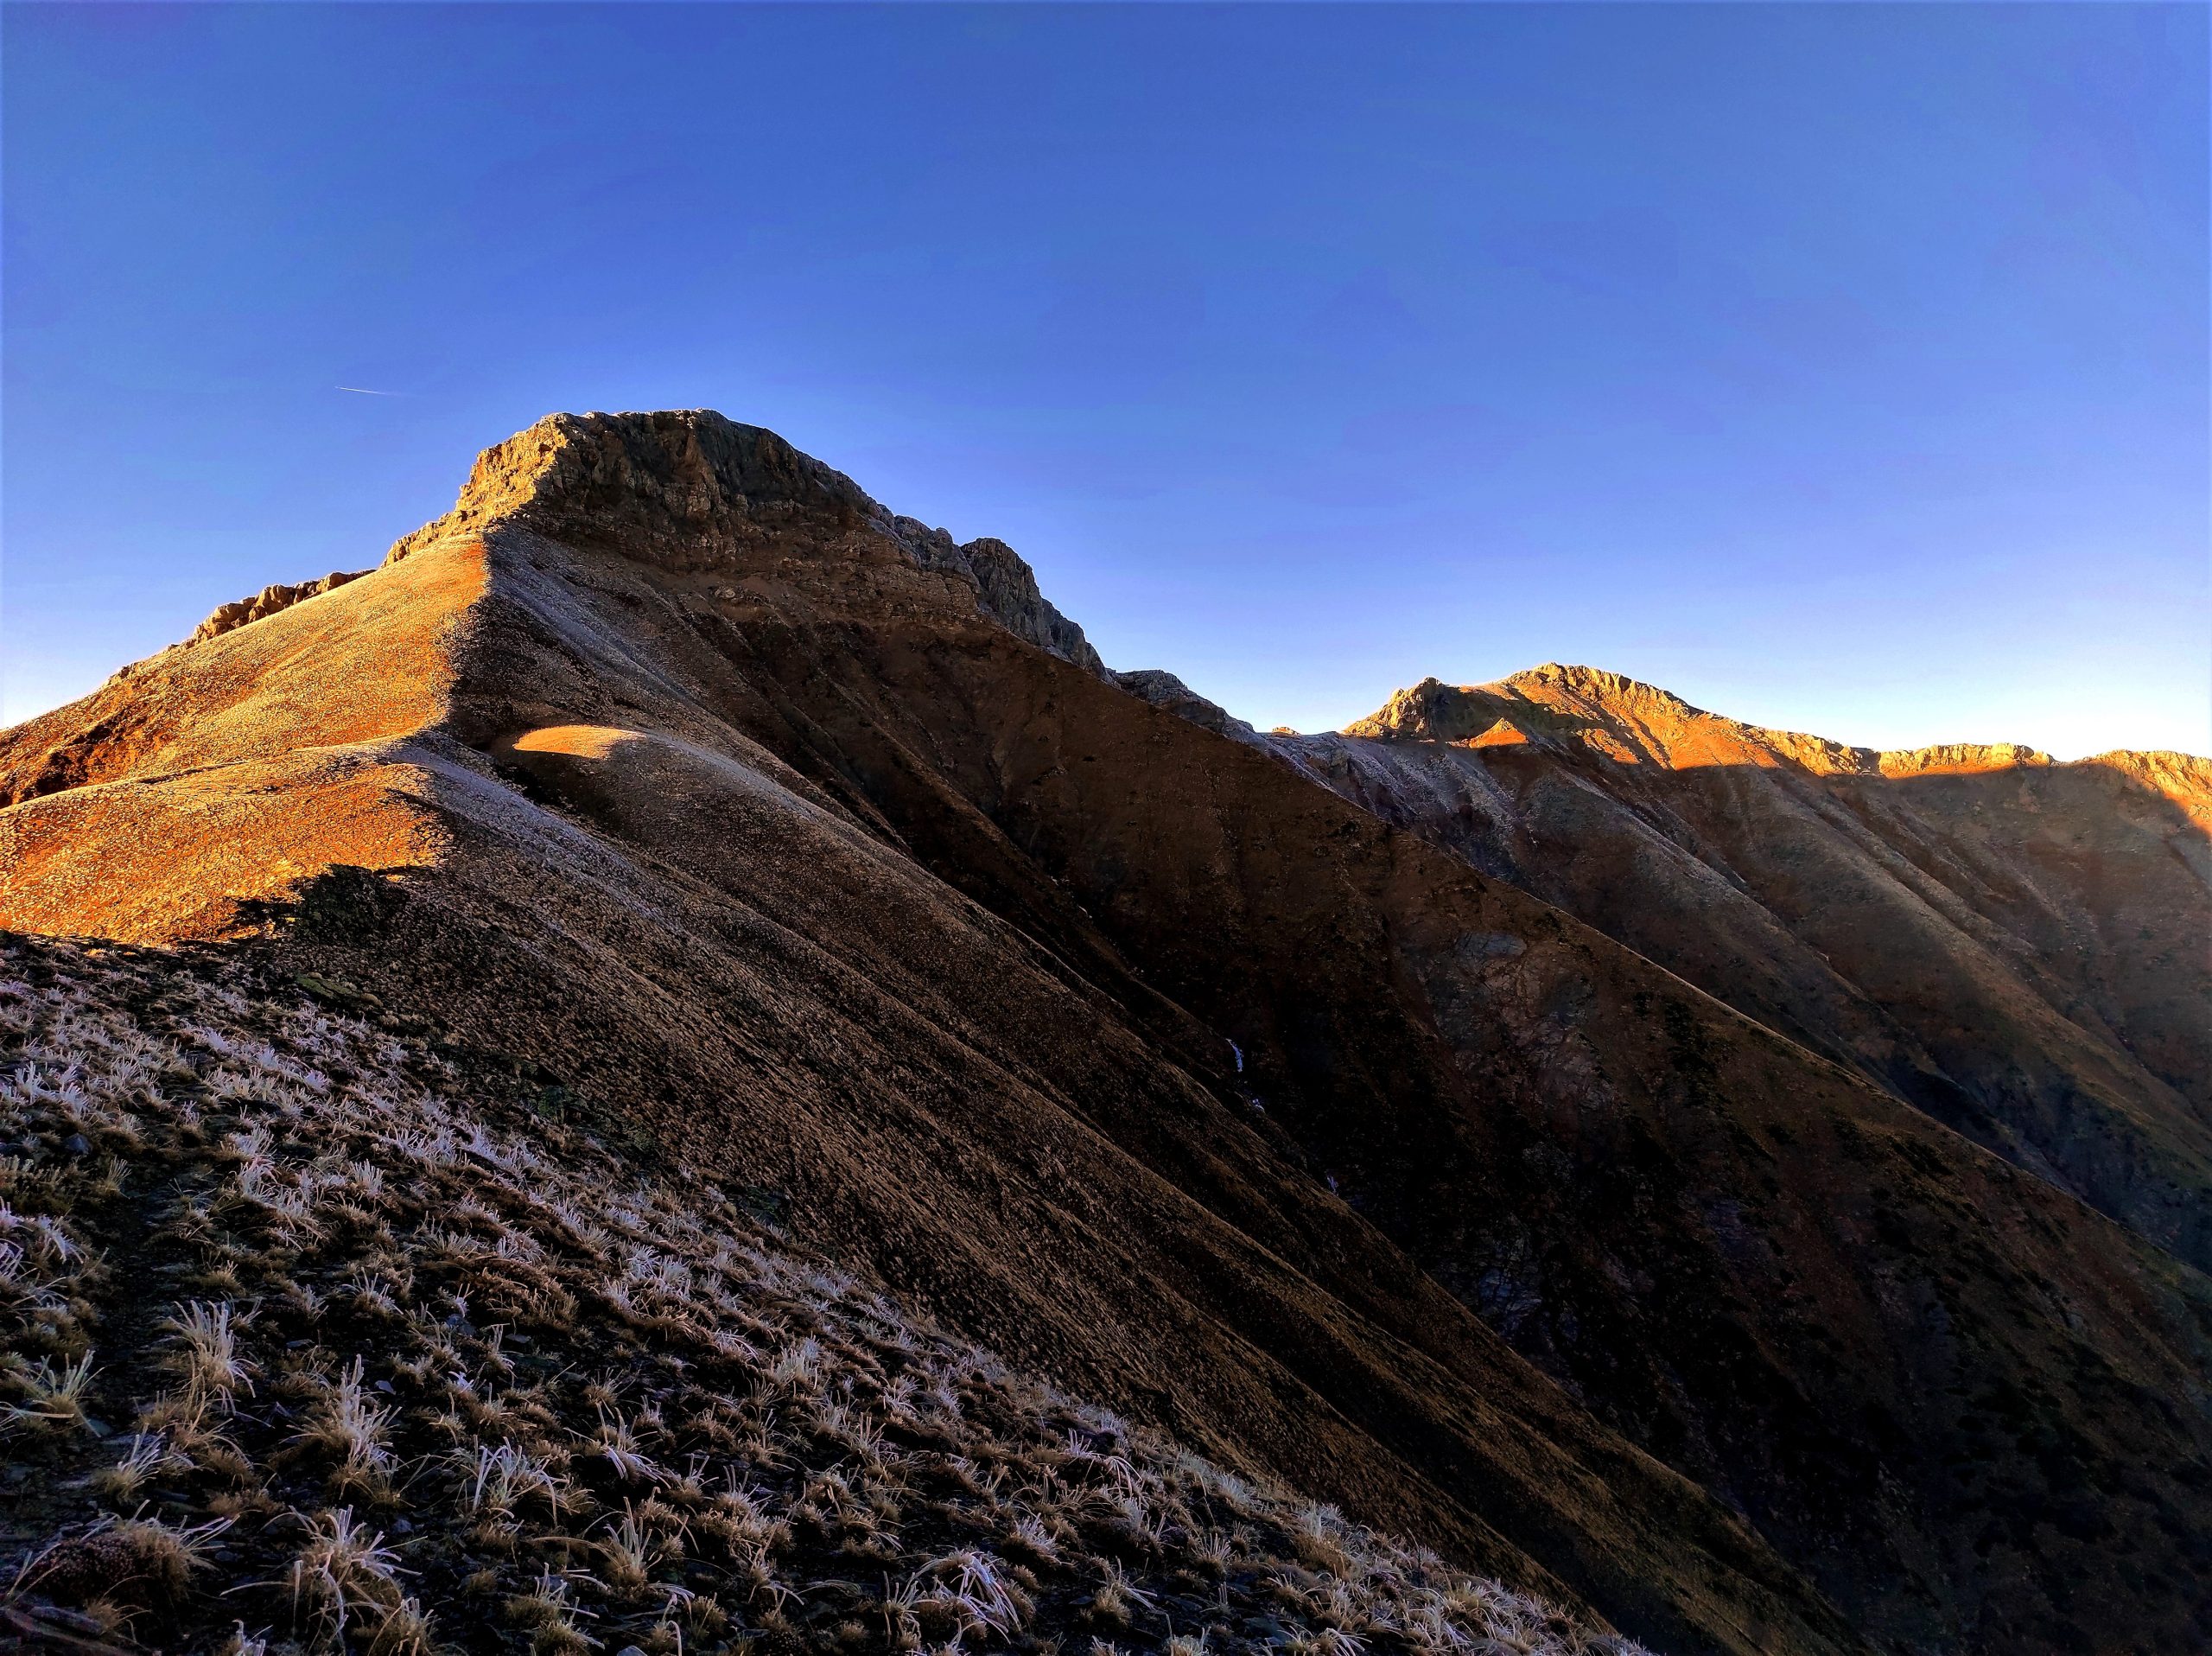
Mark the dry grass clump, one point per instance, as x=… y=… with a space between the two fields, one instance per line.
x=359 y=1354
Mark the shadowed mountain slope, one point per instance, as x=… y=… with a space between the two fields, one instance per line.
x=2022 y=948
x=821 y=850
x=433 y=1366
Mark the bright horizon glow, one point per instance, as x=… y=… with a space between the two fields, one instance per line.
x=1841 y=369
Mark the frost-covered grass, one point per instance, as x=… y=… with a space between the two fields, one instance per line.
x=309 y=1341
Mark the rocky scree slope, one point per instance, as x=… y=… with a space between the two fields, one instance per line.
x=787 y=832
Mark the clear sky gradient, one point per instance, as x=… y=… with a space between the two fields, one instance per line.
x=1839 y=368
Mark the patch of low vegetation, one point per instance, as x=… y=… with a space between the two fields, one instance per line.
x=307 y=1343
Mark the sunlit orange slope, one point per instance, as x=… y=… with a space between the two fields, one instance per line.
x=230 y=769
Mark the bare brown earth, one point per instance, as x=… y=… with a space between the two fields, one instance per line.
x=825 y=853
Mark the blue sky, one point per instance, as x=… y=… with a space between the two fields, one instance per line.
x=1843 y=368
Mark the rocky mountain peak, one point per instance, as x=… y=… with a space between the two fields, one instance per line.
x=1595 y=682
x=692 y=489
x=681 y=485
x=1431 y=710
x=1532 y=700
x=1625 y=719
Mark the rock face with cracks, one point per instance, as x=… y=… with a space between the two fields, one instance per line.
x=819 y=855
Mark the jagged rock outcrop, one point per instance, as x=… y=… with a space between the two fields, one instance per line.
x=757 y=818
x=1007 y=589
x=693 y=491
x=1164 y=689
x=1631 y=723
x=267 y=602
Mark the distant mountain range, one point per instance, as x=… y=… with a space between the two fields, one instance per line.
x=1747 y=1190
x=2017 y=947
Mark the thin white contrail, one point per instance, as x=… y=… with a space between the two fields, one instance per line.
x=363 y=390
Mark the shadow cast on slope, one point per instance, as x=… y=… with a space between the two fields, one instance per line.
x=2024 y=953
